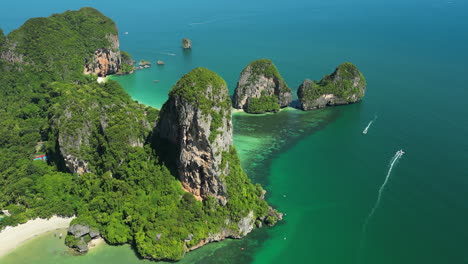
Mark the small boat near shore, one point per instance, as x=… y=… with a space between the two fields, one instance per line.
x=156 y=81
x=160 y=62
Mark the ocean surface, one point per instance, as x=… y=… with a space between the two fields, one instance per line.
x=318 y=167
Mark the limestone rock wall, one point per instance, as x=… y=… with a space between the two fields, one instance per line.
x=261 y=78
x=199 y=129
x=345 y=85
x=105 y=60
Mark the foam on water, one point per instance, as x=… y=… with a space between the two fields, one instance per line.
x=394 y=159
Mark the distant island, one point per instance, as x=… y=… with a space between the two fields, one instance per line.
x=144 y=63
x=261 y=88
x=122 y=168
x=186 y=43
x=345 y=85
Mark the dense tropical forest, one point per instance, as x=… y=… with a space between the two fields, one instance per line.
x=48 y=107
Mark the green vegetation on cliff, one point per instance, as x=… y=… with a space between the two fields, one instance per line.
x=192 y=87
x=144 y=63
x=268 y=69
x=2 y=39
x=265 y=103
x=123 y=189
x=60 y=44
x=340 y=83
x=265 y=67
x=242 y=194
x=127 y=62
x=261 y=88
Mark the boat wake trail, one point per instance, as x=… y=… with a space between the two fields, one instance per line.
x=368 y=125
x=203 y=23
x=165 y=53
x=393 y=161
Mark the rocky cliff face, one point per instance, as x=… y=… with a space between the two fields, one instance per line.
x=8 y=53
x=105 y=60
x=345 y=85
x=261 y=78
x=196 y=122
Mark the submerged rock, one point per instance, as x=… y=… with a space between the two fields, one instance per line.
x=261 y=88
x=196 y=122
x=345 y=85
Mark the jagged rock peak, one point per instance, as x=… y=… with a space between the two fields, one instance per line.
x=196 y=123
x=345 y=85
x=261 y=88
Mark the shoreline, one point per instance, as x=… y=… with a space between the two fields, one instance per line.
x=96 y=242
x=241 y=111
x=12 y=237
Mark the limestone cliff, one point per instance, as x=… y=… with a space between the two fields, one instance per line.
x=194 y=132
x=261 y=88
x=106 y=60
x=345 y=85
x=196 y=121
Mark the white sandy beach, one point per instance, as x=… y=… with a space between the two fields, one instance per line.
x=102 y=79
x=12 y=237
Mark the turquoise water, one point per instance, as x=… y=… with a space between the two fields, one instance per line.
x=317 y=166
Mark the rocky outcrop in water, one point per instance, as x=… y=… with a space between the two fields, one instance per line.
x=194 y=137
x=345 y=85
x=186 y=43
x=196 y=122
x=106 y=60
x=80 y=235
x=261 y=88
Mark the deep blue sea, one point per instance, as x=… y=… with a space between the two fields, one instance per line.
x=317 y=166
